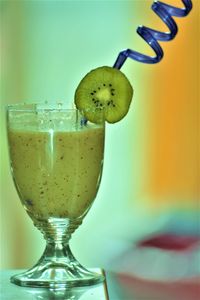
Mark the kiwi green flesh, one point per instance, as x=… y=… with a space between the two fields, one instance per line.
x=104 y=93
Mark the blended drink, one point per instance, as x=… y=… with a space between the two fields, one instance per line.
x=56 y=171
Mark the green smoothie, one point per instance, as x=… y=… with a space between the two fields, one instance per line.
x=57 y=172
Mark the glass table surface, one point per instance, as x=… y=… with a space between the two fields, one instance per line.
x=118 y=286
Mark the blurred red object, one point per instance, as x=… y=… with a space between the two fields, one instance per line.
x=152 y=290
x=160 y=267
x=170 y=242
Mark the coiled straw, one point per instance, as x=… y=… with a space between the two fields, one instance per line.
x=151 y=36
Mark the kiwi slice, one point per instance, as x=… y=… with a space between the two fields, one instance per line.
x=104 y=92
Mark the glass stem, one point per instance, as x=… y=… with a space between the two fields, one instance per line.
x=57 y=253
x=57 y=233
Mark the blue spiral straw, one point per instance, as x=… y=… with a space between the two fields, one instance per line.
x=151 y=36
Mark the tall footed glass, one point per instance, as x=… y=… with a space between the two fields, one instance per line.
x=56 y=163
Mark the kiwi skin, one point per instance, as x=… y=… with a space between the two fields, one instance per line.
x=104 y=93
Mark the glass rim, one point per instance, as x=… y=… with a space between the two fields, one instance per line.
x=52 y=109
x=40 y=106
x=46 y=106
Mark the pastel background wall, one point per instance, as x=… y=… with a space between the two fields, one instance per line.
x=151 y=172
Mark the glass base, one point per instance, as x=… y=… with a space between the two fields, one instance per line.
x=51 y=276
x=57 y=268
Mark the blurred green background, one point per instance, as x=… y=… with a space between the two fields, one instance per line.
x=46 y=48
